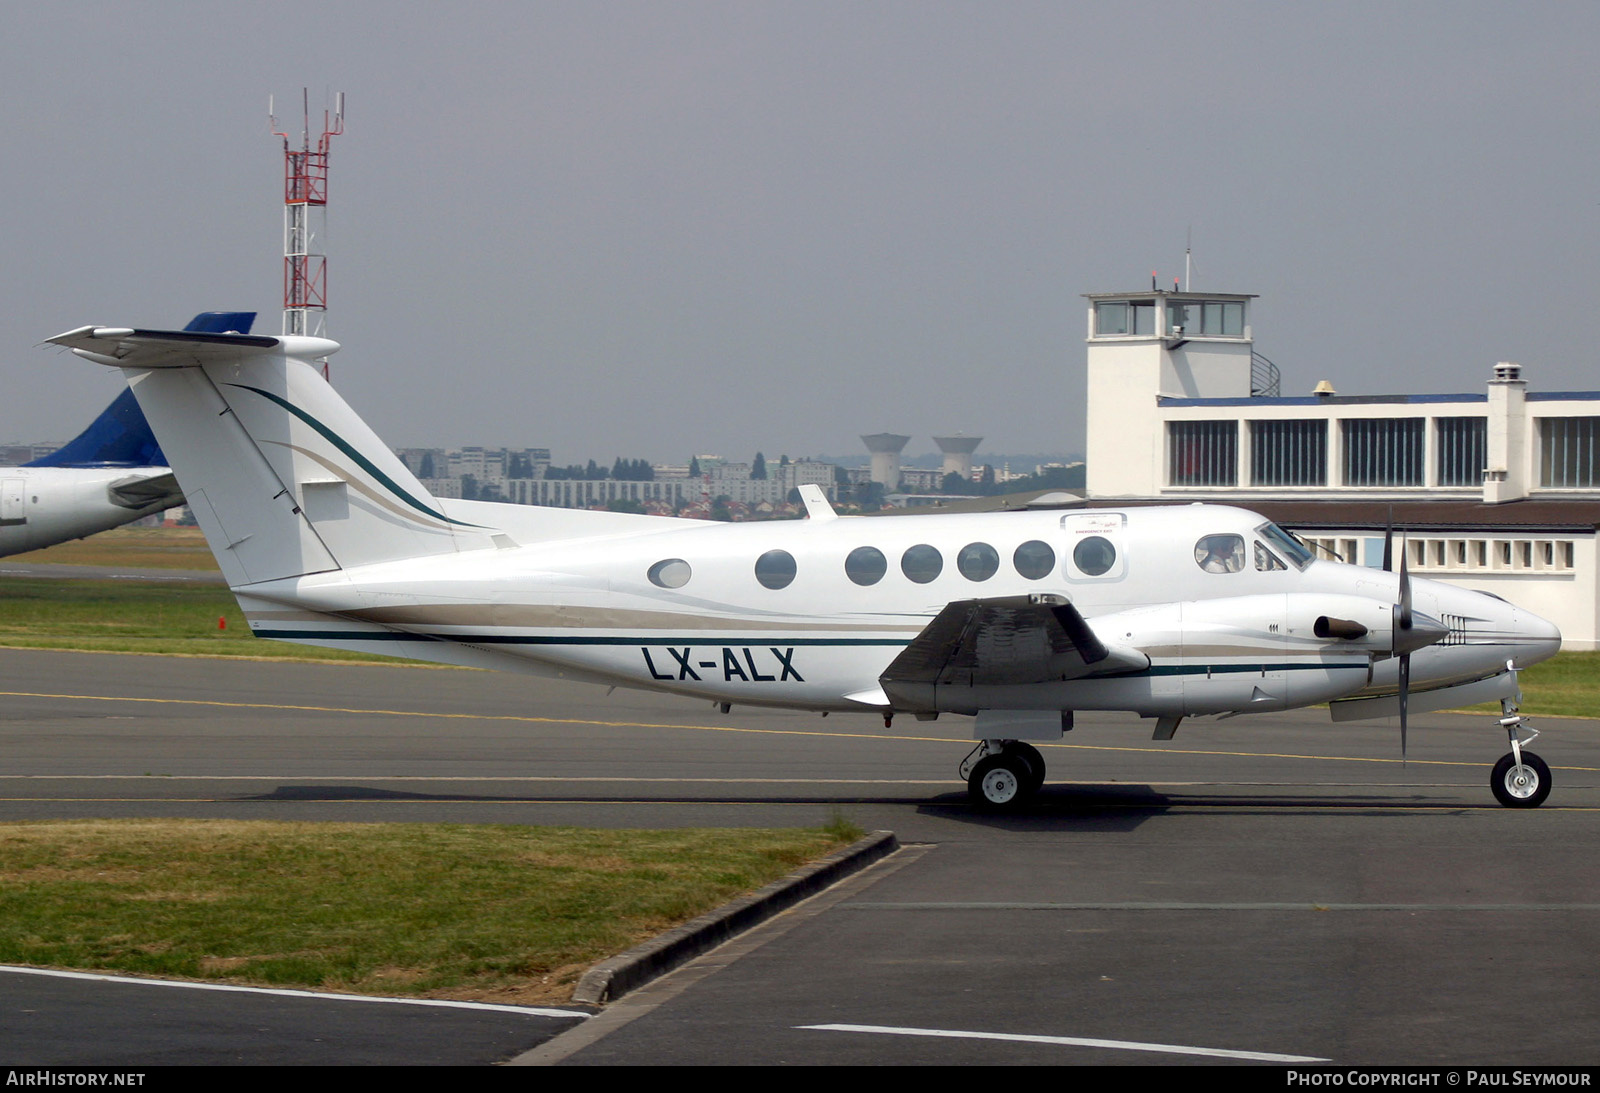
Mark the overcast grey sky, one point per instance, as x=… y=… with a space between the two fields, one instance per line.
x=648 y=229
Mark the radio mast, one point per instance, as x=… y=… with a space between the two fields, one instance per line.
x=305 y=220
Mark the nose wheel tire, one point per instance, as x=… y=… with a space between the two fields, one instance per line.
x=1001 y=783
x=1524 y=786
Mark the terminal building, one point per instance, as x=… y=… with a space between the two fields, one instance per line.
x=1496 y=490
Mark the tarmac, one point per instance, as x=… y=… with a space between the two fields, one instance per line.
x=1258 y=890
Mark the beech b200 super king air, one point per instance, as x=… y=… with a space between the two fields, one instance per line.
x=1016 y=619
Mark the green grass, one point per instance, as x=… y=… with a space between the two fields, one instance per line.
x=173 y=618
x=434 y=910
x=136 y=548
x=1566 y=685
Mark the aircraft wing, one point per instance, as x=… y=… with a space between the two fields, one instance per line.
x=1007 y=641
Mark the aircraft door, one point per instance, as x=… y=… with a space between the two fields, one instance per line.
x=1095 y=546
x=13 y=501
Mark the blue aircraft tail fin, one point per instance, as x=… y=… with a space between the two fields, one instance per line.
x=120 y=436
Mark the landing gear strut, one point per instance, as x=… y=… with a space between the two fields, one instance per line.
x=1520 y=779
x=1003 y=775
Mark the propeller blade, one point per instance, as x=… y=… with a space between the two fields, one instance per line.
x=1405 y=695
x=1404 y=617
x=1388 y=543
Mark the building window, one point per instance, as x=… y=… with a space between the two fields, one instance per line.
x=1137 y=317
x=1567 y=452
x=1206 y=318
x=1289 y=453
x=1463 y=450
x=1202 y=453
x=1382 y=451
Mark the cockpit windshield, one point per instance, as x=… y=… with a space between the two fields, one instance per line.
x=1287 y=545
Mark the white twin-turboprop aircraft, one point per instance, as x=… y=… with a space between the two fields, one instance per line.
x=1016 y=618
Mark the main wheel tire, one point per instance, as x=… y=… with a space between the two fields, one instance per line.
x=1000 y=783
x=1520 y=787
x=1030 y=755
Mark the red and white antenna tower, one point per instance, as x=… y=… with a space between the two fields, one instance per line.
x=305 y=220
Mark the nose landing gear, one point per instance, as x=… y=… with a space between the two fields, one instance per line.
x=1520 y=779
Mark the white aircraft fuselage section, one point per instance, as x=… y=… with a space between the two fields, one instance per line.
x=1238 y=638
x=40 y=506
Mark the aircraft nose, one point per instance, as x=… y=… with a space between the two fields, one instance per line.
x=1534 y=638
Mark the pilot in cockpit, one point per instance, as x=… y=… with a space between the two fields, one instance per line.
x=1220 y=553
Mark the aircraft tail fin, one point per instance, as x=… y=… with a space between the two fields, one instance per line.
x=120 y=436
x=284 y=478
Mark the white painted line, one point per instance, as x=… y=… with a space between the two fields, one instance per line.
x=1073 y=1041
x=445 y=1003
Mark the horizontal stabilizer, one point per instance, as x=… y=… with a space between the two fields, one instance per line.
x=124 y=347
x=137 y=492
x=120 y=436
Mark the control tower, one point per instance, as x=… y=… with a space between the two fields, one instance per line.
x=1146 y=347
x=885 y=449
x=958 y=451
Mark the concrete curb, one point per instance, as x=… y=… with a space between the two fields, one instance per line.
x=610 y=979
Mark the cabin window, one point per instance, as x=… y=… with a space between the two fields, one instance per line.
x=866 y=565
x=978 y=561
x=670 y=573
x=921 y=563
x=1034 y=559
x=1220 y=553
x=1094 y=556
x=775 y=569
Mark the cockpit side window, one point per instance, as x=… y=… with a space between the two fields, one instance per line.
x=1286 y=545
x=1266 y=561
x=1220 y=553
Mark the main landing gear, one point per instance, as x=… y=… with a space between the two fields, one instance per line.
x=1520 y=779
x=1003 y=775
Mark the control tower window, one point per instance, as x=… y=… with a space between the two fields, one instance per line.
x=1137 y=317
x=1208 y=318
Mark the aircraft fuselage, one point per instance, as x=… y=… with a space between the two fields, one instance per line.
x=808 y=614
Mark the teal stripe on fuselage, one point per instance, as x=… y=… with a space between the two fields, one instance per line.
x=710 y=639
